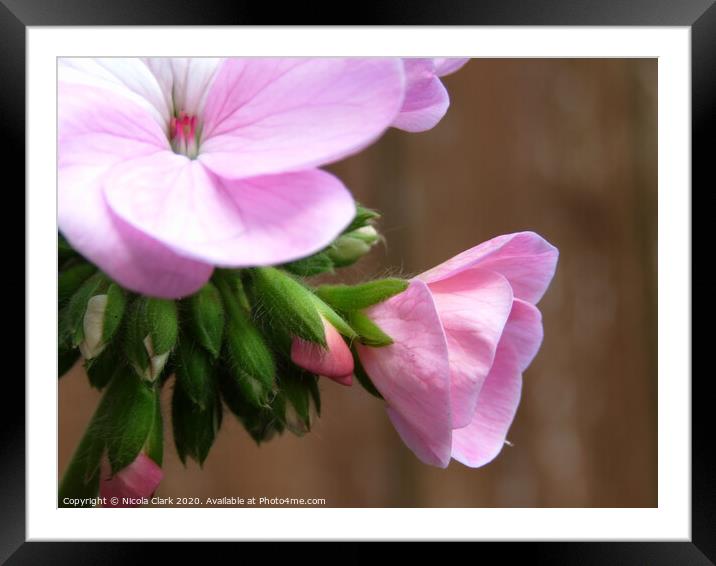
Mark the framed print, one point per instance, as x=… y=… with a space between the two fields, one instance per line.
x=424 y=278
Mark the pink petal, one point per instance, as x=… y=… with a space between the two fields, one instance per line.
x=447 y=65
x=473 y=306
x=413 y=374
x=127 y=77
x=140 y=479
x=426 y=99
x=482 y=440
x=526 y=259
x=99 y=128
x=524 y=332
x=257 y=221
x=271 y=115
x=335 y=361
x=185 y=80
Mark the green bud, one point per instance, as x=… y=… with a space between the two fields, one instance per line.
x=195 y=427
x=101 y=320
x=262 y=423
x=70 y=280
x=334 y=318
x=194 y=373
x=152 y=329
x=356 y=297
x=250 y=362
x=72 y=322
x=206 y=318
x=299 y=388
x=105 y=367
x=128 y=418
x=288 y=304
x=364 y=217
x=351 y=246
x=310 y=266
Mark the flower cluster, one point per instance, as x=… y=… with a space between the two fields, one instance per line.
x=193 y=213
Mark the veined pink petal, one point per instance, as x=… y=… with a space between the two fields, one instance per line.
x=413 y=373
x=482 y=440
x=526 y=259
x=99 y=128
x=271 y=115
x=426 y=99
x=127 y=77
x=447 y=65
x=473 y=306
x=185 y=80
x=257 y=221
x=524 y=332
x=334 y=361
x=140 y=479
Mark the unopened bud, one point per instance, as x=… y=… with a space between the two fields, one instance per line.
x=351 y=246
x=151 y=335
x=101 y=319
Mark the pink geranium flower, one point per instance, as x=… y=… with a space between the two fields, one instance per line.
x=335 y=361
x=463 y=334
x=138 y=480
x=169 y=167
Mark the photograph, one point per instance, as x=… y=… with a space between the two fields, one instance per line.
x=357 y=282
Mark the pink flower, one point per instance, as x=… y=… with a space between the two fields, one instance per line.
x=140 y=479
x=463 y=334
x=426 y=99
x=335 y=361
x=169 y=167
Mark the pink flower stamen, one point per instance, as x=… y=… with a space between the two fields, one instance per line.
x=183 y=134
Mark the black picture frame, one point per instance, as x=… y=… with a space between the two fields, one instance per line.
x=699 y=15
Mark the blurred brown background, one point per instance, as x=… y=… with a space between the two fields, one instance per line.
x=564 y=147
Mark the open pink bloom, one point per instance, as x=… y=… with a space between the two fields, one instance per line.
x=140 y=479
x=426 y=99
x=335 y=361
x=463 y=334
x=169 y=167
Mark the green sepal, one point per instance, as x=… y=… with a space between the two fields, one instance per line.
x=295 y=386
x=195 y=428
x=154 y=447
x=64 y=250
x=368 y=331
x=72 y=328
x=70 y=280
x=116 y=302
x=287 y=304
x=356 y=297
x=163 y=323
x=66 y=359
x=262 y=423
x=206 y=318
x=309 y=266
x=362 y=376
x=102 y=369
x=153 y=318
x=249 y=360
x=334 y=318
x=194 y=373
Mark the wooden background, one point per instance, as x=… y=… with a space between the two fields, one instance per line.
x=565 y=147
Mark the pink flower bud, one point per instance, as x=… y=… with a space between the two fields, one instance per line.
x=334 y=361
x=129 y=485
